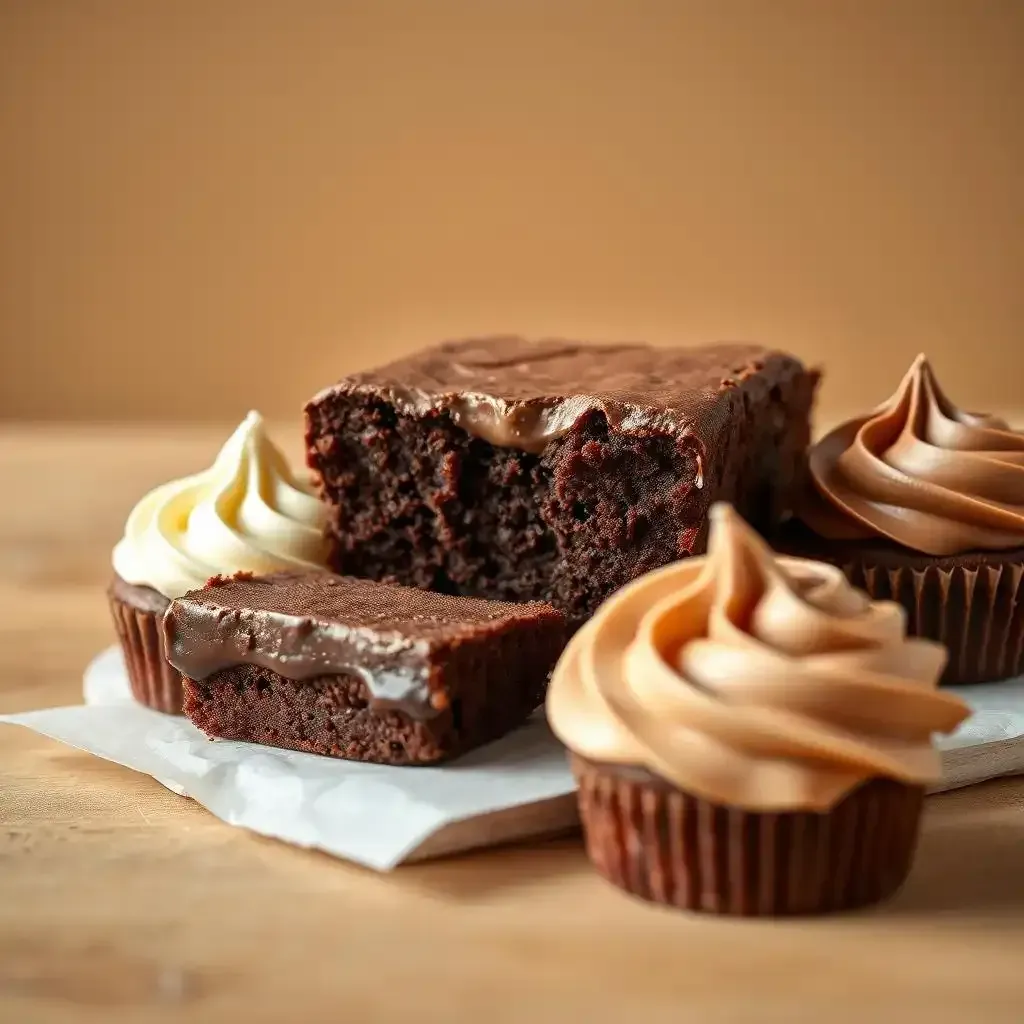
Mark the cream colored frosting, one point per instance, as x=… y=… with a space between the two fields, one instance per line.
x=247 y=513
x=920 y=472
x=756 y=682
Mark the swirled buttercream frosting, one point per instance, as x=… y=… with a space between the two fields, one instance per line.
x=922 y=473
x=757 y=682
x=247 y=513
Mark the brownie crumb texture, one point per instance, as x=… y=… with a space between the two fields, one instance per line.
x=484 y=691
x=415 y=499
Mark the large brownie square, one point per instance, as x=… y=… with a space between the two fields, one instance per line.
x=552 y=471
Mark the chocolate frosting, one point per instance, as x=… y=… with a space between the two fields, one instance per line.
x=922 y=473
x=304 y=625
x=760 y=683
x=520 y=394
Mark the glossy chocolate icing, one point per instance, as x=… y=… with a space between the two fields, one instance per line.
x=306 y=625
x=520 y=394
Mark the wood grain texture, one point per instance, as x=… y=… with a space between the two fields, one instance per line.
x=122 y=902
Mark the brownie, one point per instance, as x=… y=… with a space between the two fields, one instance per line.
x=356 y=669
x=552 y=471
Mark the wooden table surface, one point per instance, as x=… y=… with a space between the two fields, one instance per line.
x=120 y=901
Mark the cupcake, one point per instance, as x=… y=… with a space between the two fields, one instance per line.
x=247 y=513
x=750 y=735
x=923 y=503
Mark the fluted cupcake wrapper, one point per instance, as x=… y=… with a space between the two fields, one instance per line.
x=672 y=848
x=154 y=682
x=975 y=610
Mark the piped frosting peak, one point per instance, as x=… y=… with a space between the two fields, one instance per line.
x=922 y=473
x=757 y=682
x=248 y=512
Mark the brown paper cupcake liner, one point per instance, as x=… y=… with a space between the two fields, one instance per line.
x=672 y=848
x=975 y=610
x=154 y=682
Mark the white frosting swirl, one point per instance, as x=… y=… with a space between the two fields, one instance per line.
x=247 y=513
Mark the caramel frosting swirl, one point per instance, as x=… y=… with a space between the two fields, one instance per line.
x=922 y=473
x=756 y=682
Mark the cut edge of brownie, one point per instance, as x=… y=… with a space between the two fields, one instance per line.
x=480 y=683
x=415 y=498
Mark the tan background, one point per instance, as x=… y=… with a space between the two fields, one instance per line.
x=208 y=205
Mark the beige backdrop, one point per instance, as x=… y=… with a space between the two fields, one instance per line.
x=211 y=205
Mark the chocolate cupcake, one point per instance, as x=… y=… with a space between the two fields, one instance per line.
x=751 y=736
x=923 y=503
x=247 y=513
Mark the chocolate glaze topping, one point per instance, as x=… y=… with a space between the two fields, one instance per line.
x=304 y=625
x=519 y=394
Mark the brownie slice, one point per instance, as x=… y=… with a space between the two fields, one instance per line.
x=358 y=670
x=552 y=471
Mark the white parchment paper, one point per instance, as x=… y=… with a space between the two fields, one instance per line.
x=379 y=816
